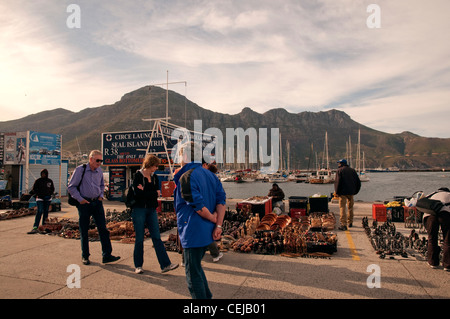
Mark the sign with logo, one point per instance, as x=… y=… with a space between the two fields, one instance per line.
x=45 y=148
x=125 y=148
x=129 y=148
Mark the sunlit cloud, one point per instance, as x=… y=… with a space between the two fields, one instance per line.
x=300 y=55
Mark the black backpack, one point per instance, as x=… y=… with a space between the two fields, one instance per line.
x=430 y=206
x=128 y=196
x=72 y=201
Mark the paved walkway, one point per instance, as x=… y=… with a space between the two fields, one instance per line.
x=39 y=266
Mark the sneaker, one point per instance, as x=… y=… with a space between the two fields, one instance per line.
x=216 y=259
x=169 y=268
x=433 y=267
x=110 y=259
x=342 y=228
x=85 y=261
x=33 y=231
x=139 y=270
x=350 y=225
x=446 y=269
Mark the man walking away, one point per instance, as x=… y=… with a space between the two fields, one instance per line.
x=200 y=206
x=346 y=185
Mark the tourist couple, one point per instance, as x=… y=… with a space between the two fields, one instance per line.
x=199 y=201
x=87 y=186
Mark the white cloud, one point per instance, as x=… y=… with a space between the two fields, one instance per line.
x=302 y=55
x=424 y=112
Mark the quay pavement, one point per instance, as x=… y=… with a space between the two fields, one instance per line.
x=42 y=267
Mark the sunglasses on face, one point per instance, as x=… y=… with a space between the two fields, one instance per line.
x=99 y=160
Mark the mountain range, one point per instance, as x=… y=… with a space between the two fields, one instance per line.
x=304 y=132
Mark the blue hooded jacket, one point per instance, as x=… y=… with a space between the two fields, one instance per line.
x=196 y=188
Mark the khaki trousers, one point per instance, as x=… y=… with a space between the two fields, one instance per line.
x=346 y=200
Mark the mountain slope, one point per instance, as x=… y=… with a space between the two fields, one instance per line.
x=305 y=131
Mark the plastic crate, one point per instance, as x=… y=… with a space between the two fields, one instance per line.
x=167 y=206
x=379 y=212
x=318 y=204
x=297 y=212
x=298 y=202
x=397 y=213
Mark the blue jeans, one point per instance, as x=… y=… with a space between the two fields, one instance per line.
x=147 y=217
x=94 y=209
x=195 y=276
x=42 y=210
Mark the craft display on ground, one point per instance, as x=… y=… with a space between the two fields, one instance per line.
x=245 y=232
x=389 y=243
x=118 y=223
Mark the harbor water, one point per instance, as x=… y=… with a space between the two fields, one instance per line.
x=381 y=187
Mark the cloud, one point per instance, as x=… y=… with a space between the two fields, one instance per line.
x=41 y=70
x=301 y=55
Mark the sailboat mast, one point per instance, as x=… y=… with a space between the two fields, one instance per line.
x=359 y=152
x=326 y=147
x=281 y=155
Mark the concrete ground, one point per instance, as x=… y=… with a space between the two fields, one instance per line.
x=40 y=267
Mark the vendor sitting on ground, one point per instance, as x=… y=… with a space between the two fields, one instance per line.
x=277 y=195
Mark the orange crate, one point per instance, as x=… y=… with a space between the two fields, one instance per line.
x=297 y=212
x=379 y=212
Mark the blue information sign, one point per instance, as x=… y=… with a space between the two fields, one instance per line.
x=45 y=148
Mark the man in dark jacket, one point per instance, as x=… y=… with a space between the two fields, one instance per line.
x=43 y=188
x=346 y=185
x=277 y=195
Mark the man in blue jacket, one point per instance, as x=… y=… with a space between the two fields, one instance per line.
x=200 y=206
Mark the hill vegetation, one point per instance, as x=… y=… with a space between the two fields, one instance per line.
x=304 y=131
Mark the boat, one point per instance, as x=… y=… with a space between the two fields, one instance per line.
x=227 y=179
x=302 y=178
x=227 y=176
x=363 y=177
x=323 y=175
x=384 y=170
x=277 y=178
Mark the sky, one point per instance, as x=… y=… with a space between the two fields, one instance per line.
x=387 y=66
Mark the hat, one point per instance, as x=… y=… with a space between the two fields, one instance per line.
x=343 y=161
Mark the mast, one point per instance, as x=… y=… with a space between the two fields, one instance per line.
x=281 y=155
x=326 y=149
x=358 y=154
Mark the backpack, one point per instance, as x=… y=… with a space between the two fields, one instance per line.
x=430 y=206
x=128 y=196
x=72 y=201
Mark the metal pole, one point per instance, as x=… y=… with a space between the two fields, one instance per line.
x=167 y=97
